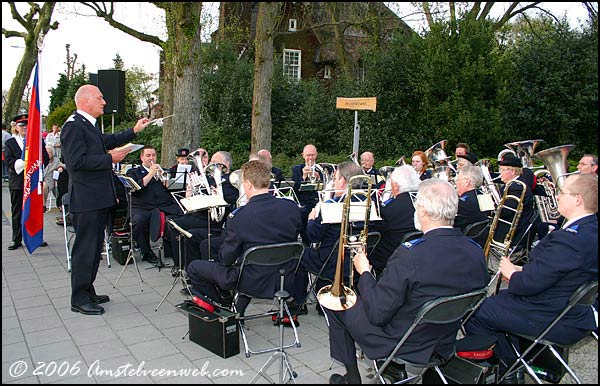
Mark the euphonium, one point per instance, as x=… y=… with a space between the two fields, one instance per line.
x=502 y=248
x=337 y=296
x=235 y=179
x=439 y=161
x=216 y=170
x=556 y=163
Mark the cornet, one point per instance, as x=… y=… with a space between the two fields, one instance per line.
x=164 y=176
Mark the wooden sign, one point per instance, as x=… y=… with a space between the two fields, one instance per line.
x=356 y=103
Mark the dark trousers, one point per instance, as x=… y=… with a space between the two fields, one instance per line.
x=16 y=207
x=141 y=229
x=85 y=258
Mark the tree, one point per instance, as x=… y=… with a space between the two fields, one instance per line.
x=180 y=81
x=263 y=75
x=37 y=23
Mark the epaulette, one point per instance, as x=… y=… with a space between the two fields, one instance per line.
x=235 y=211
x=412 y=243
x=71 y=118
x=463 y=198
x=387 y=201
x=474 y=242
x=572 y=229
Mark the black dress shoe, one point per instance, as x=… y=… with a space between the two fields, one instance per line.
x=14 y=246
x=150 y=257
x=88 y=309
x=99 y=299
x=394 y=372
x=44 y=244
x=338 y=379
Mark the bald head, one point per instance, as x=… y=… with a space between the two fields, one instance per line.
x=89 y=99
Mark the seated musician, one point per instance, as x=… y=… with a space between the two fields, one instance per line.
x=323 y=237
x=302 y=174
x=265 y=219
x=277 y=174
x=442 y=263
x=197 y=223
x=466 y=159
x=367 y=161
x=539 y=290
x=588 y=164
x=461 y=149
x=153 y=194
x=419 y=162
x=468 y=180
x=182 y=159
x=511 y=169
x=397 y=214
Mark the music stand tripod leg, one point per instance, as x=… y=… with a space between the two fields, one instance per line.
x=130 y=254
x=180 y=276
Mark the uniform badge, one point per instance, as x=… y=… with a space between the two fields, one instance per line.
x=234 y=212
x=572 y=229
x=412 y=243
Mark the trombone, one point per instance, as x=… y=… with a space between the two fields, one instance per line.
x=337 y=296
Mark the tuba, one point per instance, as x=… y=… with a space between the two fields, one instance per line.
x=502 y=248
x=524 y=150
x=439 y=161
x=337 y=296
x=557 y=166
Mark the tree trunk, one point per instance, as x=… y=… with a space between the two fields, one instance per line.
x=340 y=50
x=35 y=27
x=182 y=76
x=263 y=76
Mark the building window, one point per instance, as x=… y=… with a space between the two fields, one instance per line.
x=292 y=25
x=327 y=72
x=291 y=63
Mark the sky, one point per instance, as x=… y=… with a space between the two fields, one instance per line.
x=96 y=43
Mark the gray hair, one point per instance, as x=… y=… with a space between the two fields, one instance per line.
x=407 y=178
x=473 y=173
x=348 y=170
x=227 y=157
x=439 y=199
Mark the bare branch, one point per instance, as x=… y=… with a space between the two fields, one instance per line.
x=15 y=14
x=13 y=34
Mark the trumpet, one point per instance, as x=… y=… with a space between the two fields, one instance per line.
x=337 y=296
x=164 y=176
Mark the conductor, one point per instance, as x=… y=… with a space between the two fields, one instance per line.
x=92 y=191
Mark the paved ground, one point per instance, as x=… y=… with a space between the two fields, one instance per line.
x=44 y=342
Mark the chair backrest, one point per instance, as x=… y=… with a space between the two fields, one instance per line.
x=372 y=240
x=473 y=231
x=411 y=236
x=273 y=254
x=444 y=310
x=585 y=295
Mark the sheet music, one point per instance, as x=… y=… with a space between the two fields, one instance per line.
x=182 y=170
x=198 y=202
x=129 y=182
x=486 y=203
x=131 y=147
x=331 y=212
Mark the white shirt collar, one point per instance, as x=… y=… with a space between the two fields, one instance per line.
x=88 y=117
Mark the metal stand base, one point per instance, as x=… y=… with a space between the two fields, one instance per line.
x=130 y=256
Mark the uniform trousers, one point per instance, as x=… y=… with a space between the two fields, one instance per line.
x=16 y=206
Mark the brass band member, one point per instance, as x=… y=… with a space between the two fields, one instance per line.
x=419 y=162
x=538 y=291
x=301 y=174
x=442 y=263
x=466 y=159
x=277 y=173
x=367 y=161
x=588 y=164
x=397 y=214
x=461 y=149
x=468 y=180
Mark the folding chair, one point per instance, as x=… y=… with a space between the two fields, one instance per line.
x=585 y=295
x=478 y=231
x=444 y=310
x=68 y=229
x=270 y=255
x=410 y=236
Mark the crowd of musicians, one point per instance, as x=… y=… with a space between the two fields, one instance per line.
x=395 y=278
x=546 y=261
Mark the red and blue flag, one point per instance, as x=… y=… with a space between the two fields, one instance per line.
x=32 y=218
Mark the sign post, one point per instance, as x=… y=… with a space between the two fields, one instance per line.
x=356 y=104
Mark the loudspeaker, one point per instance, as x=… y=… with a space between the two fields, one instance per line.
x=93 y=78
x=112 y=85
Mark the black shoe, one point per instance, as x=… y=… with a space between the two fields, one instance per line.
x=174 y=271
x=88 y=309
x=150 y=257
x=99 y=299
x=514 y=379
x=295 y=310
x=338 y=379
x=44 y=244
x=394 y=372
x=14 y=246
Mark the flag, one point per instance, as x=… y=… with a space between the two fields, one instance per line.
x=32 y=218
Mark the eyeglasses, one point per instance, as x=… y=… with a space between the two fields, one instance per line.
x=560 y=192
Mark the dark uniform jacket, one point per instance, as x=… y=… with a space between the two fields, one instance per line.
x=468 y=211
x=307 y=199
x=13 y=152
x=559 y=264
x=426 y=175
x=84 y=150
x=398 y=220
x=526 y=215
x=153 y=195
x=442 y=263
x=263 y=220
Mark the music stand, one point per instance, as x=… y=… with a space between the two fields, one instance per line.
x=131 y=186
x=201 y=202
x=181 y=274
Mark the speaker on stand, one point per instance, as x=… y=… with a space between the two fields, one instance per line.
x=112 y=85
